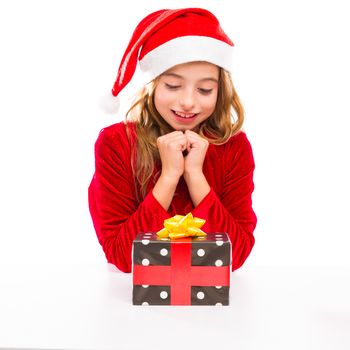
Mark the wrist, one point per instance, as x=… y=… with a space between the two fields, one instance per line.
x=193 y=176
x=164 y=190
x=198 y=186
x=171 y=180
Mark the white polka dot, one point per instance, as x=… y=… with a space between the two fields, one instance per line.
x=218 y=287
x=145 y=303
x=145 y=285
x=218 y=236
x=218 y=262
x=164 y=252
x=200 y=295
x=145 y=262
x=218 y=304
x=163 y=294
x=200 y=252
x=145 y=241
x=219 y=243
x=148 y=234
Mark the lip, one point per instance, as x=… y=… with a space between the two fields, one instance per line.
x=184 y=120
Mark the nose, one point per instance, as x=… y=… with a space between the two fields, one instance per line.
x=187 y=100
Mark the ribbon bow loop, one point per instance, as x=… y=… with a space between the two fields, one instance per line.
x=180 y=226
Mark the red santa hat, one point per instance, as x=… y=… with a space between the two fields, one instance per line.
x=166 y=38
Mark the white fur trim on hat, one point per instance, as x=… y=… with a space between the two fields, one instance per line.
x=186 y=49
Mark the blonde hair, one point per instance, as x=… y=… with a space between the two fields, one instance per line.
x=149 y=125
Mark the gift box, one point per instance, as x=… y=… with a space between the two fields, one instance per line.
x=183 y=271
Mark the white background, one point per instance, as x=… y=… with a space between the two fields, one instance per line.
x=291 y=69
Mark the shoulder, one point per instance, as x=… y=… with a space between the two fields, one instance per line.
x=238 y=149
x=115 y=133
x=239 y=138
x=118 y=136
x=113 y=141
x=238 y=142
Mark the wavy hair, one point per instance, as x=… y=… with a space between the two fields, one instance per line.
x=226 y=120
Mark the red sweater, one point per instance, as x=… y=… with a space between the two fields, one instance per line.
x=117 y=217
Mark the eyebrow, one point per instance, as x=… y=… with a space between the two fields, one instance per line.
x=181 y=77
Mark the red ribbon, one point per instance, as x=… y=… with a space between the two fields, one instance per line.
x=181 y=275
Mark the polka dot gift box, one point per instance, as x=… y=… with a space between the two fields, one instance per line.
x=183 y=271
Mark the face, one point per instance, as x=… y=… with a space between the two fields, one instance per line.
x=186 y=94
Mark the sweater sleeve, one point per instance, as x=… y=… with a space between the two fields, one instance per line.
x=232 y=212
x=115 y=214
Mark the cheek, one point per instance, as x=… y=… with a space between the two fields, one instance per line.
x=210 y=103
x=156 y=98
x=158 y=102
x=161 y=100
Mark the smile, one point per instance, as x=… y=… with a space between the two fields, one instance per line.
x=184 y=115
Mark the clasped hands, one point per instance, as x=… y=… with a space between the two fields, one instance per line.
x=182 y=153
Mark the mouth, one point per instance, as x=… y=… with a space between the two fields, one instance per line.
x=184 y=116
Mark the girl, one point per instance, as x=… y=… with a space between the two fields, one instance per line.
x=181 y=148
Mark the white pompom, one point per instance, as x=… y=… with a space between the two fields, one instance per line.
x=109 y=104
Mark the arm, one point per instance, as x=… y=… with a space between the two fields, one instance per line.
x=116 y=216
x=198 y=187
x=164 y=190
x=232 y=212
x=170 y=148
x=196 y=181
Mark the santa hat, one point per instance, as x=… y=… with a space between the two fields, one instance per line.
x=167 y=38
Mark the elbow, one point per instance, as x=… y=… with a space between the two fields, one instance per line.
x=116 y=255
x=241 y=251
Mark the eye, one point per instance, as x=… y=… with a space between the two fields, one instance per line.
x=172 y=87
x=205 y=91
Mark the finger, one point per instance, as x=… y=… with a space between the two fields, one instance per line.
x=190 y=132
x=188 y=146
x=174 y=144
x=194 y=140
x=193 y=135
x=177 y=139
x=171 y=136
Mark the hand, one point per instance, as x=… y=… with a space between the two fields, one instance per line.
x=170 y=148
x=197 y=149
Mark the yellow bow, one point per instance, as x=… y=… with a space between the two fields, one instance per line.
x=180 y=226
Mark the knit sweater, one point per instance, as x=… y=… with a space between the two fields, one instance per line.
x=118 y=216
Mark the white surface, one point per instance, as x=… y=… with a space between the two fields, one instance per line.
x=89 y=307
